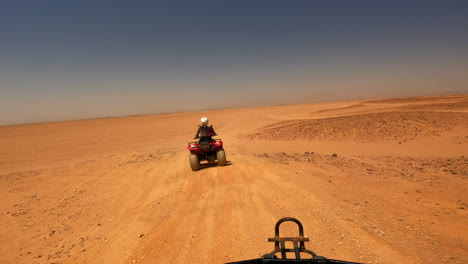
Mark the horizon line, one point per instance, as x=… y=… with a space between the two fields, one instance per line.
x=224 y=108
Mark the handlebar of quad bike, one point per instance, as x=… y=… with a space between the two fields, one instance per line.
x=299 y=247
x=199 y=137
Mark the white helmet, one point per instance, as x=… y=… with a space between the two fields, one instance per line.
x=204 y=120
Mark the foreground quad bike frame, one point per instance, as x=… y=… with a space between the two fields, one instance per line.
x=206 y=149
x=298 y=248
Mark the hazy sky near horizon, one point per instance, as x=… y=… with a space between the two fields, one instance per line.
x=62 y=60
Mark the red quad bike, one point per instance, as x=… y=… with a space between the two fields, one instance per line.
x=207 y=149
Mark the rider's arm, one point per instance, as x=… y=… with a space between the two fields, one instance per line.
x=198 y=133
x=212 y=130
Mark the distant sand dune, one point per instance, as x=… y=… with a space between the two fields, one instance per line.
x=379 y=127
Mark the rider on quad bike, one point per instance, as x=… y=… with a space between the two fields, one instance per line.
x=207 y=148
x=204 y=130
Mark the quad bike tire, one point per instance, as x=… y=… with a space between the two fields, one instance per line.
x=194 y=162
x=221 y=157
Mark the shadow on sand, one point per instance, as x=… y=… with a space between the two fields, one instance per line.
x=214 y=164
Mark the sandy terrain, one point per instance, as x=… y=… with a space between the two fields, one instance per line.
x=120 y=190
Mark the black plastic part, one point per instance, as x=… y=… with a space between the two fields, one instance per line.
x=299 y=247
x=293 y=261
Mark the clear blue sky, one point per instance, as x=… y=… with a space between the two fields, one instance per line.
x=62 y=60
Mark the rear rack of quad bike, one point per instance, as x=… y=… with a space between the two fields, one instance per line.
x=196 y=142
x=298 y=248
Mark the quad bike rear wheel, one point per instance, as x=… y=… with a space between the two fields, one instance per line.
x=221 y=157
x=194 y=162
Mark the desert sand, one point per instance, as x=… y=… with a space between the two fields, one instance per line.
x=120 y=190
